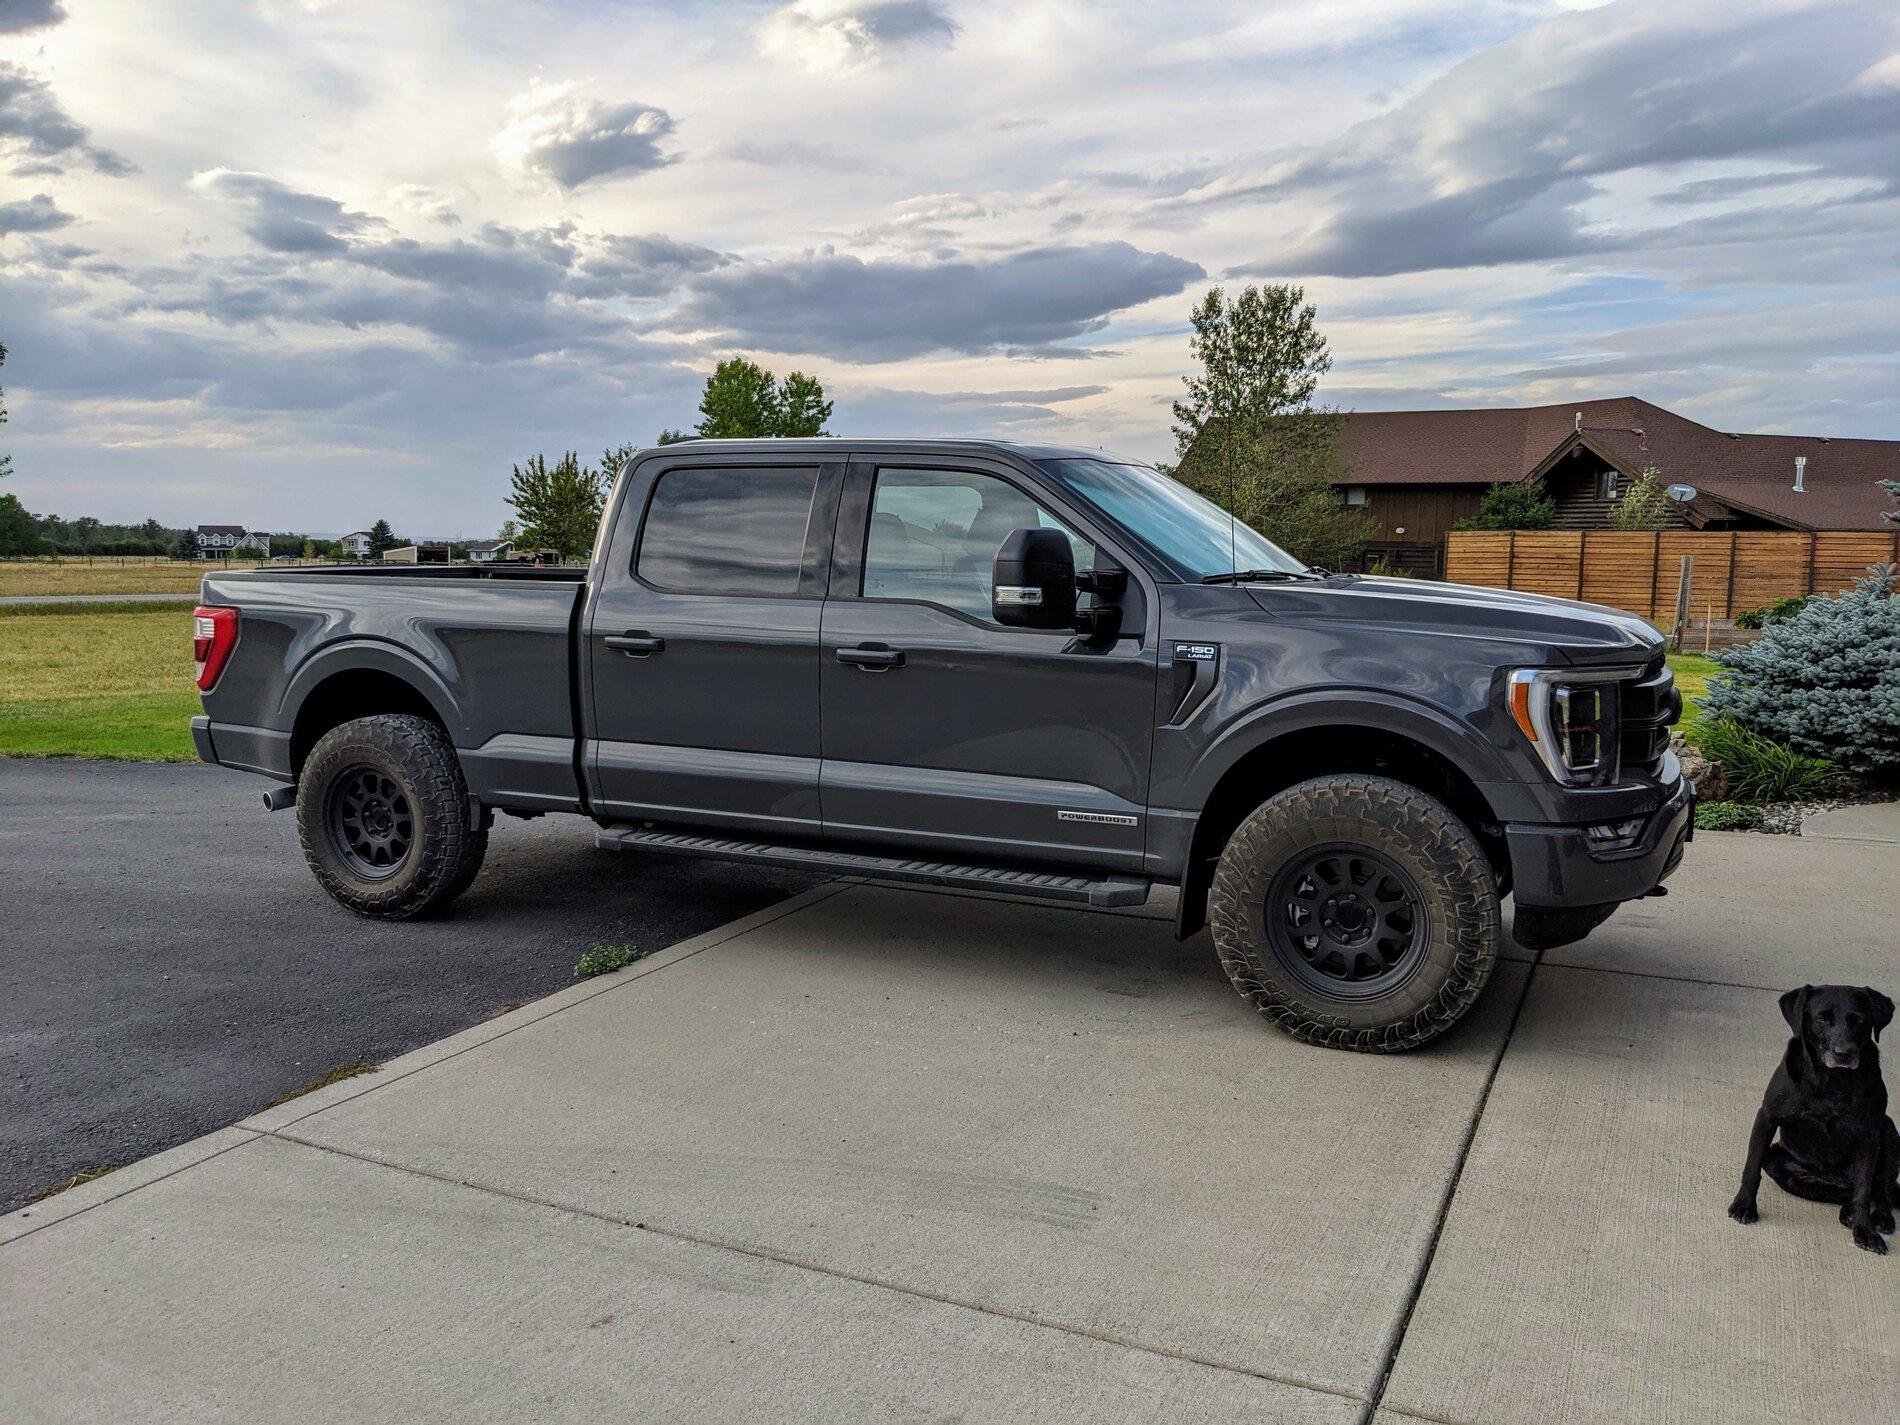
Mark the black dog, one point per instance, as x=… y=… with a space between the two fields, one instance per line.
x=1830 y=1103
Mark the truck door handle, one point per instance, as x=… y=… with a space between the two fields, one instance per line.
x=636 y=644
x=872 y=660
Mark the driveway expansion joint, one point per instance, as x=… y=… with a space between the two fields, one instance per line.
x=800 y=1264
x=1397 y=1341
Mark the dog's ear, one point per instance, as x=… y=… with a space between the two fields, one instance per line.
x=1794 y=1006
x=1882 y=1008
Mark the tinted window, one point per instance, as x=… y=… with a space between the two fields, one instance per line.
x=934 y=536
x=712 y=531
x=1192 y=533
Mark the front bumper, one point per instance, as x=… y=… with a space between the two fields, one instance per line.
x=1556 y=866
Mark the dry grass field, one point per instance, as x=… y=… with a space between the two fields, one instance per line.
x=98 y=680
x=158 y=576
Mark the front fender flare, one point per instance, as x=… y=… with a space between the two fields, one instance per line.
x=1414 y=719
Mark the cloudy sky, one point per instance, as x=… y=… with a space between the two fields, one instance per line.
x=300 y=263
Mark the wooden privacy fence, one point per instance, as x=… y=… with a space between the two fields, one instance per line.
x=1735 y=570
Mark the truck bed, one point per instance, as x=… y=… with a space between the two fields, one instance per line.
x=490 y=650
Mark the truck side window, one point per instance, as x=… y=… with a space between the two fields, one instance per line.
x=738 y=531
x=934 y=536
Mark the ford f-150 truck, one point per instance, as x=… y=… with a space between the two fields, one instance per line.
x=1043 y=671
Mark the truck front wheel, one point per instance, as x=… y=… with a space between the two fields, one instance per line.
x=1356 y=912
x=383 y=814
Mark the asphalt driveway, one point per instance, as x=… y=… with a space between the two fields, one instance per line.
x=873 y=1153
x=172 y=966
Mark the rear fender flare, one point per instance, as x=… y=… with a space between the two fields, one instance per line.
x=369 y=655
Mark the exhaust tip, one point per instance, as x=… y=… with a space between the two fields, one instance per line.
x=277 y=798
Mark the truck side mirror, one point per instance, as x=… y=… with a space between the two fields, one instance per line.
x=1034 y=580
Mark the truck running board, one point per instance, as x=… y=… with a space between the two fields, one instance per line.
x=1044 y=885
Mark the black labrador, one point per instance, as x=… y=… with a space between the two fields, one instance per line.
x=1830 y=1103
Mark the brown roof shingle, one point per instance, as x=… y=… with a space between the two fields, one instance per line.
x=1755 y=472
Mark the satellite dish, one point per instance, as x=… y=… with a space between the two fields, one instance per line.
x=1681 y=494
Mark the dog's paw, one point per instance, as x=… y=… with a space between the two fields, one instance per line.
x=1884 y=1223
x=1743 y=1210
x=1869 y=1240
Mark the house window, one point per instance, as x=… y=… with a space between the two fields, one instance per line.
x=1606 y=485
x=1353 y=495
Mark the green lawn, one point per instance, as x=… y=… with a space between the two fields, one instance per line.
x=1693 y=672
x=101 y=680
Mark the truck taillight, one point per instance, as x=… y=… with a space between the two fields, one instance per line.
x=214 y=634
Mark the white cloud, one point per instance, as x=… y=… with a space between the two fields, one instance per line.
x=832 y=35
x=559 y=136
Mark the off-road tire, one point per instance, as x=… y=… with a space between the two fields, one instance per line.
x=1415 y=832
x=444 y=852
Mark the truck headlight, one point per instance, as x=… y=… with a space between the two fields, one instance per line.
x=1569 y=717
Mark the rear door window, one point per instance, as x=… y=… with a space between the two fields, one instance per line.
x=711 y=530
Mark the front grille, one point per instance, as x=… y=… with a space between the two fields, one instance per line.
x=1649 y=706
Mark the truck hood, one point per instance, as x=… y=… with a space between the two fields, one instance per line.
x=1576 y=632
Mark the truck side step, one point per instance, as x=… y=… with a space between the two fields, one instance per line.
x=1045 y=885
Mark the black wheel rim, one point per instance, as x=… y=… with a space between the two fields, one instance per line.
x=1347 y=921
x=371 y=825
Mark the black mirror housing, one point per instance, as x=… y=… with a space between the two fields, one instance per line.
x=1034 y=580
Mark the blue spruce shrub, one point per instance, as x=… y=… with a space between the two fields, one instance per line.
x=1826 y=681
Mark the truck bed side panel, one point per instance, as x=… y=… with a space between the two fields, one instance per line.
x=490 y=657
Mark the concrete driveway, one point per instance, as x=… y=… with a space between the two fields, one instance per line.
x=890 y=1154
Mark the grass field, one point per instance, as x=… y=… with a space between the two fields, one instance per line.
x=98 y=680
x=114 y=681
x=162 y=576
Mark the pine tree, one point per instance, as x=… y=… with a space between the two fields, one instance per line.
x=1825 y=681
x=381 y=539
x=558 y=505
x=1523 y=505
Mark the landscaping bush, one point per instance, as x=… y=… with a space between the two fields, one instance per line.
x=1726 y=816
x=1759 y=769
x=1825 y=682
x=1774 y=613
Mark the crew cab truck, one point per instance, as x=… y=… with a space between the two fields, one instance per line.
x=1044 y=671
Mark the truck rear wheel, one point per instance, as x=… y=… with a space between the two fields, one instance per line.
x=382 y=811
x=1356 y=912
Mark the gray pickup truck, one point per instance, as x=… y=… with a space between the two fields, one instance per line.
x=1043 y=671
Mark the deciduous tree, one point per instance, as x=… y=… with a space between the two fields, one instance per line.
x=1643 y=505
x=558 y=505
x=744 y=401
x=1248 y=434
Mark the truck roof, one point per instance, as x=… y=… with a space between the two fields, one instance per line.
x=837 y=444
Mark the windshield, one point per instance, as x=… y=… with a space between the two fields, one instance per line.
x=1192 y=534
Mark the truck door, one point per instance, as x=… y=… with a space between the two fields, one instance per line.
x=943 y=728
x=702 y=644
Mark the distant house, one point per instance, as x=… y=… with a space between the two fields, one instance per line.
x=355 y=544
x=1416 y=472
x=487 y=551
x=417 y=554
x=221 y=541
